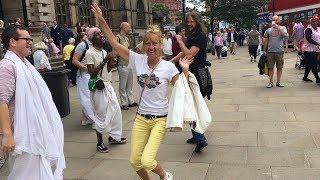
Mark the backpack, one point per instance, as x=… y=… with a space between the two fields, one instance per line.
x=82 y=56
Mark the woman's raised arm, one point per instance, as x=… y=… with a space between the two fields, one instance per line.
x=122 y=50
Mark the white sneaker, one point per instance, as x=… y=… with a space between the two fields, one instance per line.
x=168 y=176
x=270 y=85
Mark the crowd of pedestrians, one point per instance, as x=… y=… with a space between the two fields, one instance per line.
x=91 y=53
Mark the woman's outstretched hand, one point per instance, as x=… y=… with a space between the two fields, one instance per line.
x=185 y=62
x=96 y=10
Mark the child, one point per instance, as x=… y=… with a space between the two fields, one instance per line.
x=54 y=50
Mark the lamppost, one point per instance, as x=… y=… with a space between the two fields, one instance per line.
x=272 y=7
x=183 y=10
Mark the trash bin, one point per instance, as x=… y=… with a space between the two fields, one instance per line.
x=57 y=82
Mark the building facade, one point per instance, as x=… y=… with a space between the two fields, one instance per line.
x=137 y=12
x=175 y=8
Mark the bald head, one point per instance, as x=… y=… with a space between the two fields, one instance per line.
x=275 y=18
x=125 y=28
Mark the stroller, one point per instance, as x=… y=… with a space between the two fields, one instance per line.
x=301 y=60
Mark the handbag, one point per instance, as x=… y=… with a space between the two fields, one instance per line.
x=92 y=83
x=96 y=83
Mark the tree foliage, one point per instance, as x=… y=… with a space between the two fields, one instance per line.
x=163 y=9
x=243 y=13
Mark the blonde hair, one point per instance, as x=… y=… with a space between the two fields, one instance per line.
x=40 y=45
x=153 y=34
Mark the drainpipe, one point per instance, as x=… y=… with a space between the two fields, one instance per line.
x=24 y=12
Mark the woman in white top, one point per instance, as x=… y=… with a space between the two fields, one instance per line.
x=41 y=61
x=154 y=76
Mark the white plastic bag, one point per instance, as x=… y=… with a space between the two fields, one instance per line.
x=259 y=52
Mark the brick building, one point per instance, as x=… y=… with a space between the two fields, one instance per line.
x=175 y=7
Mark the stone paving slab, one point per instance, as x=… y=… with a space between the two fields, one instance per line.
x=185 y=171
x=302 y=107
x=78 y=167
x=291 y=100
x=277 y=157
x=288 y=173
x=249 y=100
x=230 y=116
x=307 y=116
x=222 y=155
x=303 y=140
x=261 y=126
x=270 y=116
x=262 y=108
x=234 y=172
x=233 y=138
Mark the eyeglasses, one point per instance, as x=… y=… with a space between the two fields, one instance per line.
x=28 y=40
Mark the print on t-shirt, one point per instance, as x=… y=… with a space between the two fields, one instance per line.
x=152 y=82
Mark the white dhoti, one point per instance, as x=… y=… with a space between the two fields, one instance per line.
x=84 y=94
x=28 y=166
x=108 y=118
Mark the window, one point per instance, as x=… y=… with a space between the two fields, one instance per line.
x=285 y=18
x=122 y=5
x=62 y=12
x=302 y=16
x=141 y=20
x=105 y=7
x=84 y=12
x=310 y=14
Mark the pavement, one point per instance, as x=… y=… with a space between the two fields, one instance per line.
x=256 y=133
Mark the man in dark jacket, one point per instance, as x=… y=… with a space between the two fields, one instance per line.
x=56 y=34
x=66 y=34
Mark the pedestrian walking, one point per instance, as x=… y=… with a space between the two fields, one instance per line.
x=218 y=42
x=254 y=40
x=311 y=49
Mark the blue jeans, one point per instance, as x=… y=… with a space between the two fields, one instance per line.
x=199 y=138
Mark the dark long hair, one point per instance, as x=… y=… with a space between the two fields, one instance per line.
x=199 y=25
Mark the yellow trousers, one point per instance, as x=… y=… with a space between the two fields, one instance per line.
x=147 y=135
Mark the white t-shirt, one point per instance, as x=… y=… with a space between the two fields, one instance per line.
x=167 y=46
x=41 y=60
x=95 y=57
x=154 y=98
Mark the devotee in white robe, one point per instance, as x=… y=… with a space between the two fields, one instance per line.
x=30 y=125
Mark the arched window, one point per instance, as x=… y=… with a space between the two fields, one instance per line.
x=141 y=19
x=62 y=12
x=122 y=5
x=105 y=7
x=84 y=12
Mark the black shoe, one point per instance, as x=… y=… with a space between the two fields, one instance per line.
x=191 y=141
x=113 y=141
x=102 y=148
x=133 y=104
x=306 y=79
x=200 y=146
x=124 y=107
x=318 y=81
x=251 y=59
